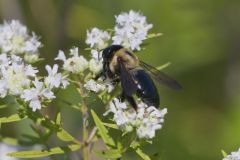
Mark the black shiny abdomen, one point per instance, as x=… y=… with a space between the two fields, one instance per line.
x=147 y=90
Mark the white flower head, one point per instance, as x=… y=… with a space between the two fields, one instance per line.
x=131 y=29
x=55 y=79
x=95 y=66
x=16 y=76
x=3 y=88
x=15 y=39
x=5 y=149
x=233 y=156
x=92 y=85
x=97 y=39
x=99 y=85
x=4 y=61
x=97 y=55
x=36 y=95
x=75 y=64
x=61 y=56
x=146 y=120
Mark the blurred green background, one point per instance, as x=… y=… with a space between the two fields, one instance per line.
x=201 y=39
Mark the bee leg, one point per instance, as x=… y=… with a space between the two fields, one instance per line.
x=115 y=81
x=101 y=74
x=132 y=102
x=122 y=97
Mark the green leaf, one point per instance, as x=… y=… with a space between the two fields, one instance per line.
x=3 y=106
x=141 y=154
x=12 y=118
x=65 y=136
x=224 y=153
x=164 y=66
x=153 y=35
x=58 y=120
x=102 y=130
x=111 y=125
x=113 y=154
x=41 y=153
x=62 y=134
x=10 y=141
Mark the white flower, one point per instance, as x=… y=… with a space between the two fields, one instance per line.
x=5 y=149
x=97 y=38
x=15 y=39
x=96 y=55
x=95 y=66
x=146 y=120
x=16 y=76
x=3 y=88
x=4 y=60
x=54 y=79
x=94 y=86
x=36 y=95
x=61 y=56
x=32 y=44
x=96 y=63
x=99 y=85
x=30 y=71
x=75 y=64
x=131 y=29
x=233 y=156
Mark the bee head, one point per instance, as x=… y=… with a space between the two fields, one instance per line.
x=109 y=51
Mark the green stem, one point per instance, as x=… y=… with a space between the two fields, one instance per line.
x=85 y=115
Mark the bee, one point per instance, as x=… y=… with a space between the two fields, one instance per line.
x=122 y=65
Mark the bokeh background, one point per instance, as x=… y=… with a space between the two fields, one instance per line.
x=201 y=39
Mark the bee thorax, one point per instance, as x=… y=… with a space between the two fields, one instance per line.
x=128 y=61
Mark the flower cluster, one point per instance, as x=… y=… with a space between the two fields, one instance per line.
x=146 y=120
x=233 y=156
x=75 y=64
x=97 y=38
x=131 y=30
x=15 y=39
x=20 y=79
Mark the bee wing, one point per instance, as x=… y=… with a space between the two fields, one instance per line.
x=161 y=77
x=127 y=81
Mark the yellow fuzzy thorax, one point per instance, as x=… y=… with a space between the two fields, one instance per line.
x=129 y=59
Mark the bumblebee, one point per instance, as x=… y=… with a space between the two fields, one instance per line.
x=122 y=65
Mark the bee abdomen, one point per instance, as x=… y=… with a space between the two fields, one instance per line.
x=147 y=90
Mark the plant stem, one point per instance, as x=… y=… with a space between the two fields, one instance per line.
x=85 y=115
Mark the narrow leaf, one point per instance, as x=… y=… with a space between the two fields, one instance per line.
x=153 y=35
x=164 y=66
x=41 y=153
x=3 y=106
x=141 y=154
x=62 y=134
x=102 y=130
x=113 y=154
x=111 y=125
x=65 y=136
x=224 y=153
x=58 y=120
x=10 y=141
x=12 y=118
